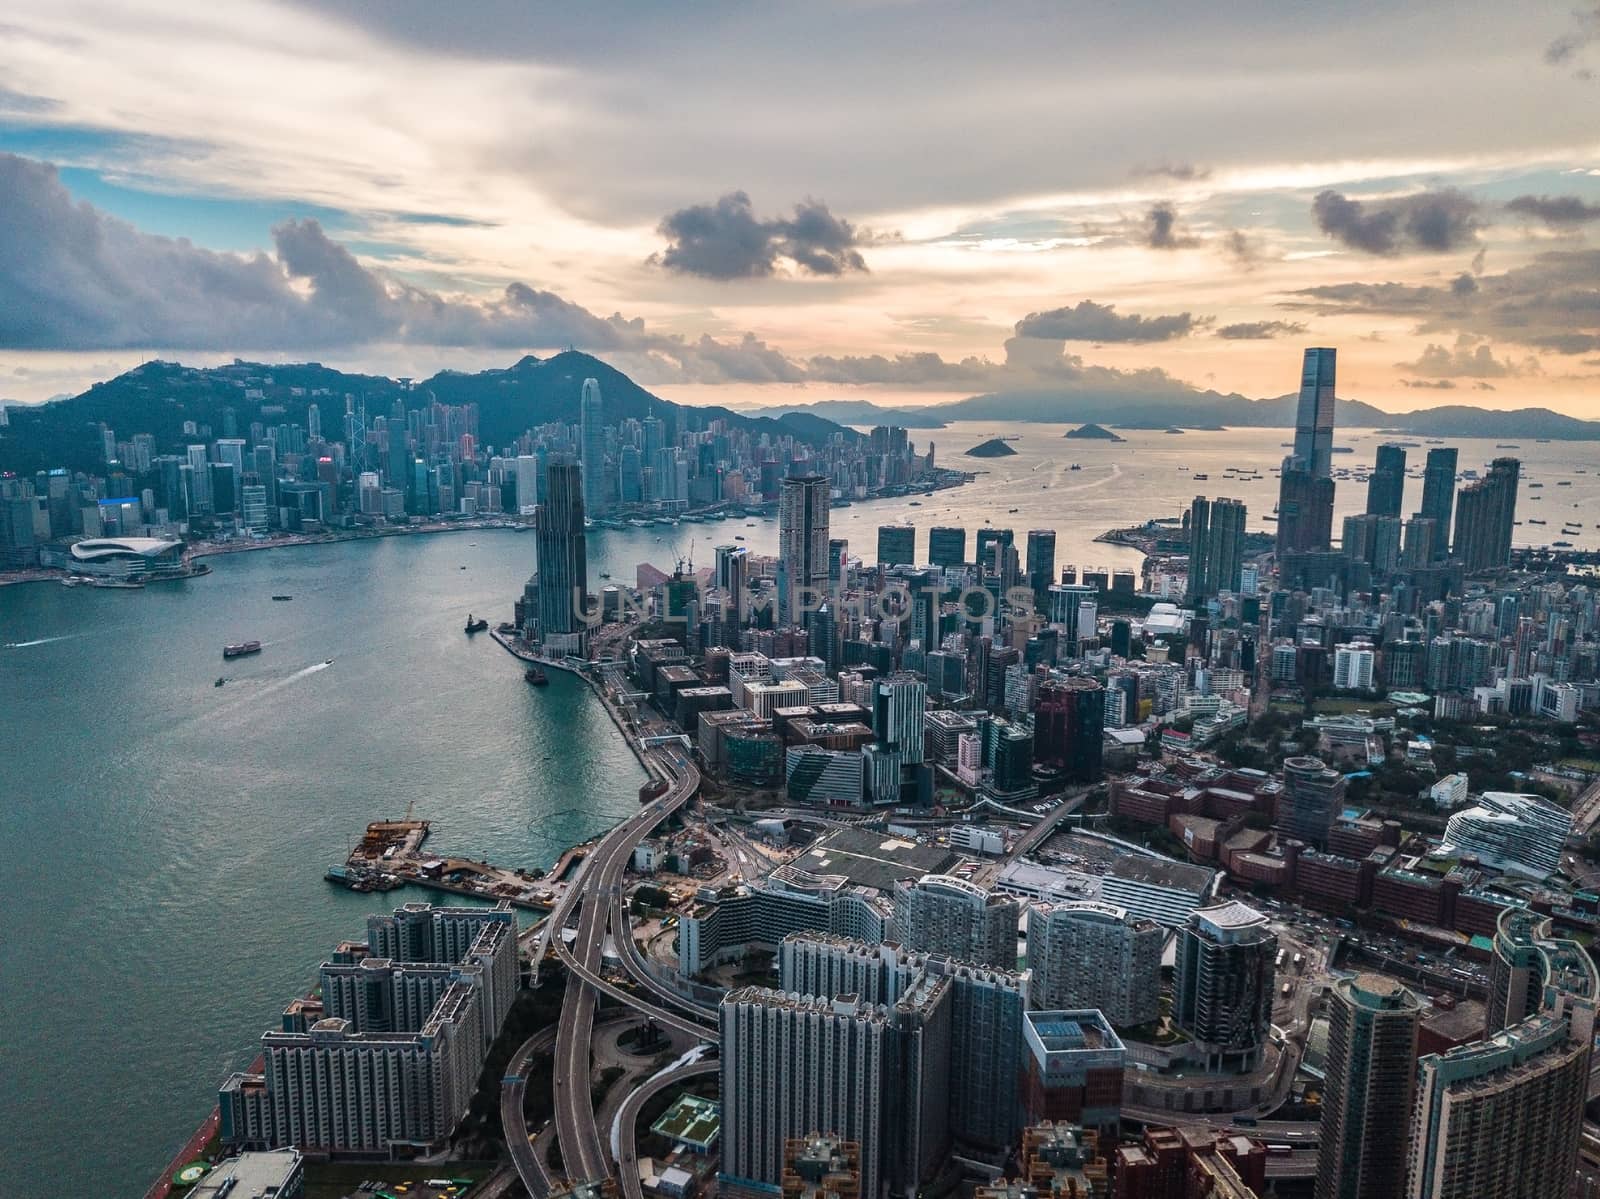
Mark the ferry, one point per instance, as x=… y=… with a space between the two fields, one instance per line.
x=1564 y=483
x=282 y=598
x=535 y=677
x=475 y=626
x=1201 y=478
x=1075 y=466
x=240 y=649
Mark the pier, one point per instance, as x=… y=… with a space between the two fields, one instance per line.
x=394 y=849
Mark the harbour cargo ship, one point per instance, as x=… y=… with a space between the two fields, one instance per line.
x=241 y=648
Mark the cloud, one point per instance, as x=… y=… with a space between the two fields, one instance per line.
x=1161 y=231
x=725 y=240
x=1567 y=47
x=1549 y=303
x=1182 y=172
x=1256 y=330
x=1468 y=360
x=1430 y=221
x=1244 y=250
x=1088 y=321
x=1431 y=384
x=1556 y=211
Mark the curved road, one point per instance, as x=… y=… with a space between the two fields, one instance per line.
x=513 y=1120
x=628 y=1117
x=599 y=889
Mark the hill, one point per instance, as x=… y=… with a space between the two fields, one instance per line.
x=159 y=397
x=993 y=448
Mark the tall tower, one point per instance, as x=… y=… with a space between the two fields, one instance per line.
x=1305 y=488
x=1216 y=547
x=1366 y=1108
x=802 y=543
x=563 y=579
x=1386 y=488
x=1438 y=495
x=592 y=446
x=1485 y=513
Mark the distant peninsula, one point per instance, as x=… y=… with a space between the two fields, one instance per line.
x=1093 y=433
x=993 y=448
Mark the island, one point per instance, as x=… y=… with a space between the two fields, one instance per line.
x=1094 y=433
x=995 y=447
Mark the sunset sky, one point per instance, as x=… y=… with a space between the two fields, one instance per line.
x=782 y=203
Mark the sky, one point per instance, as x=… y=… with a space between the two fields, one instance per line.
x=901 y=201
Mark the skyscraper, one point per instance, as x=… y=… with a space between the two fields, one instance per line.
x=562 y=583
x=1386 y=488
x=1216 y=547
x=897 y=545
x=1095 y=955
x=1438 y=494
x=592 y=446
x=942 y=914
x=1041 y=562
x=1222 y=996
x=1366 y=1105
x=802 y=543
x=1305 y=489
x=947 y=545
x=1312 y=796
x=1485 y=513
x=1069 y=729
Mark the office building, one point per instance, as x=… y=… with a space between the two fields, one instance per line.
x=819 y=777
x=1157 y=888
x=1312 y=797
x=1094 y=955
x=1216 y=547
x=1366 y=1103
x=899 y=716
x=1387 y=484
x=1519 y=834
x=1305 y=489
x=1072 y=1069
x=1222 y=996
x=947 y=546
x=802 y=544
x=1069 y=727
x=897 y=545
x=943 y=914
x=592 y=447
x=1486 y=510
x=558 y=592
x=1041 y=562
x=1439 y=494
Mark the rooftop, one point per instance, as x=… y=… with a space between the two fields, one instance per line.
x=1162 y=872
x=874 y=859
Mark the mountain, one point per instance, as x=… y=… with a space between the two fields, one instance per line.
x=159 y=397
x=1172 y=404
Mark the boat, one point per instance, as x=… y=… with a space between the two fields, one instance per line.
x=282 y=598
x=327 y=661
x=117 y=584
x=1201 y=478
x=738 y=536
x=1564 y=483
x=1010 y=509
x=605 y=574
x=1562 y=545
x=241 y=648
x=1075 y=466
x=535 y=676
x=1534 y=520
x=916 y=503
x=1507 y=445
x=219 y=682
x=1535 y=484
x=475 y=626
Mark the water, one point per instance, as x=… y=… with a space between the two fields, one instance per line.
x=164 y=839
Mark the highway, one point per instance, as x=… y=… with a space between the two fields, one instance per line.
x=628 y=1117
x=513 y=1090
x=599 y=889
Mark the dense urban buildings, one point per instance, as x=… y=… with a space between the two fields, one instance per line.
x=1366 y=1109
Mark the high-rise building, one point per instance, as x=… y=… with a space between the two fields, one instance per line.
x=1519 y=834
x=1072 y=1069
x=943 y=914
x=1311 y=799
x=1216 y=547
x=592 y=447
x=899 y=715
x=1387 y=484
x=897 y=545
x=1366 y=1104
x=1352 y=666
x=1094 y=955
x=1438 y=494
x=802 y=544
x=1041 y=562
x=873 y=1074
x=947 y=545
x=1305 y=489
x=1069 y=729
x=1486 y=511
x=1222 y=996
x=561 y=586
